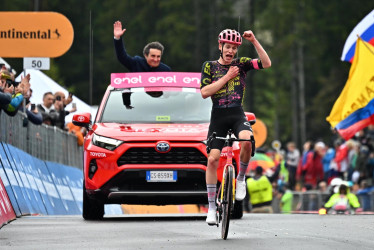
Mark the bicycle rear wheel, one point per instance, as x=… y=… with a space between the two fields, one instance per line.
x=227 y=201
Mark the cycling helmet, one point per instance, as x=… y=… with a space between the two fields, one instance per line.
x=336 y=182
x=230 y=36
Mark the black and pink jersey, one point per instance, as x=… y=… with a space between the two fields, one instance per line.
x=231 y=94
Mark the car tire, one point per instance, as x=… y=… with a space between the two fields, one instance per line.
x=92 y=209
x=238 y=210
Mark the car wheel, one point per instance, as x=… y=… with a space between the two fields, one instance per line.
x=238 y=210
x=92 y=209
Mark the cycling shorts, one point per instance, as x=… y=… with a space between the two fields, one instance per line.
x=223 y=119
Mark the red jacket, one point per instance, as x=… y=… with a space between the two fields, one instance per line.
x=312 y=170
x=341 y=158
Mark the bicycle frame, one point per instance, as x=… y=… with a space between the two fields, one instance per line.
x=226 y=199
x=228 y=163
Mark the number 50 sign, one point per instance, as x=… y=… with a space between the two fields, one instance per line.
x=36 y=63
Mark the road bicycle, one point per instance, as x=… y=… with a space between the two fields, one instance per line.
x=226 y=193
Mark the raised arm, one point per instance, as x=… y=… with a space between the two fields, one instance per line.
x=265 y=59
x=117 y=30
x=119 y=47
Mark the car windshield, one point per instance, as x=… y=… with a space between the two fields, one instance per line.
x=168 y=106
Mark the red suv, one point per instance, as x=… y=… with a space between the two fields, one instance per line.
x=147 y=144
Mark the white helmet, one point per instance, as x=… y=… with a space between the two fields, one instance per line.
x=336 y=182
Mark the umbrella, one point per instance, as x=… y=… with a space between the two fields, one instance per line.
x=260 y=159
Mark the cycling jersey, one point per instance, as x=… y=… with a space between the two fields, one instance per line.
x=231 y=94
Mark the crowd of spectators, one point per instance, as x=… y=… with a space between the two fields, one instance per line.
x=351 y=160
x=51 y=111
x=318 y=164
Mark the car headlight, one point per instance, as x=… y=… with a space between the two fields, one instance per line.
x=105 y=142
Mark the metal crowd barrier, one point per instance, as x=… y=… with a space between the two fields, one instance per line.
x=44 y=142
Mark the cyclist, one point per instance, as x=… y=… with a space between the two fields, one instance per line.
x=152 y=54
x=224 y=81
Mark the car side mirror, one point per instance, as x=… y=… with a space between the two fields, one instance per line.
x=82 y=120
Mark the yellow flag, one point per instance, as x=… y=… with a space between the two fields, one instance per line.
x=359 y=88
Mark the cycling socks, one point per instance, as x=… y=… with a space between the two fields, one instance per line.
x=211 y=188
x=242 y=170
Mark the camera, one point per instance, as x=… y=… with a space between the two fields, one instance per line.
x=9 y=81
x=58 y=98
x=32 y=106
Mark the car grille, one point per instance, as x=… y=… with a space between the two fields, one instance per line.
x=135 y=180
x=151 y=156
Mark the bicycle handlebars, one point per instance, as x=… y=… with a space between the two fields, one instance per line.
x=229 y=140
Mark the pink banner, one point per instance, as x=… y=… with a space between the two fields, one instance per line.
x=156 y=79
x=6 y=209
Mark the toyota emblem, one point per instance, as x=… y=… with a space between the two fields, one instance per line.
x=163 y=147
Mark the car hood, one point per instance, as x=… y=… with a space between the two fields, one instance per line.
x=146 y=132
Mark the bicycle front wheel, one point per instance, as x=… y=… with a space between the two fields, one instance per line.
x=227 y=201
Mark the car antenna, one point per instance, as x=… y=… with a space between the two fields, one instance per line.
x=237 y=54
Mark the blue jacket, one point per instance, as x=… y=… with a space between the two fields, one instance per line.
x=37 y=119
x=136 y=63
x=326 y=160
x=12 y=107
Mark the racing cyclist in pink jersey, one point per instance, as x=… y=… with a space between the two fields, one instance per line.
x=224 y=81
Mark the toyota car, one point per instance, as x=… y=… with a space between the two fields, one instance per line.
x=147 y=143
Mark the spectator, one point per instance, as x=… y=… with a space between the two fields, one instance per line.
x=59 y=105
x=79 y=132
x=16 y=90
x=311 y=172
x=50 y=115
x=65 y=101
x=286 y=200
x=260 y=191
x=340 y=162
x=292 y=160
x=364 y=194
x=352 y=157
x=361 y=163
x=5 y=92
x=68 y=100
x=326 y=162
x=152 y=54
x=307 y=148
x=322 y=187
x=284 y=174
x=32 y=113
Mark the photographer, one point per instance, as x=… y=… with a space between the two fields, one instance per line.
x=32 y=113
x=50 y=115
x=15 y=89
x=60 y=104
x=5 y=91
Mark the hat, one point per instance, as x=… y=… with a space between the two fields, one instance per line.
x=259 y=170
x=320 y=145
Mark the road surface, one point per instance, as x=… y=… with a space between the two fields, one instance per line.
x=254 y=231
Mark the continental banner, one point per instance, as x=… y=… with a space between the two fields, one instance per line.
x=34 y=34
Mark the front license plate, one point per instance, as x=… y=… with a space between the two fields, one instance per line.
x=161 y=176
